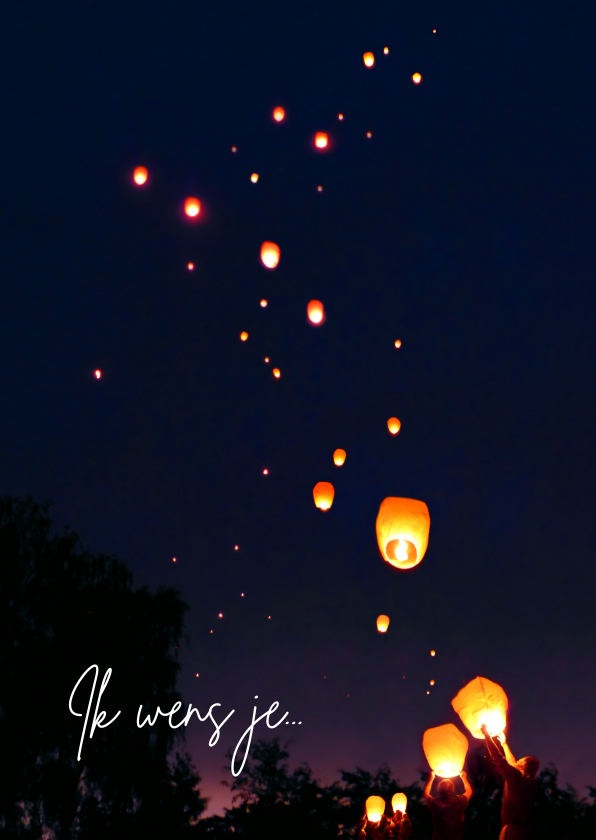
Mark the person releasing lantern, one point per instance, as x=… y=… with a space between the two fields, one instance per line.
x=402 y=531
x=393 y=425
x=270 y=254
x=482 y=702
x=383 y=623
x=316 y=313
x=448 y=809
x=445 y=748
x=339 y=457
x=323 y=494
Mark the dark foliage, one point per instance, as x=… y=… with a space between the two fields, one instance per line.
x=64 y=609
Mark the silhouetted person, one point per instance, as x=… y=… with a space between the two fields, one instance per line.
x=517 y=813
x=366 y=830
x=448 y=808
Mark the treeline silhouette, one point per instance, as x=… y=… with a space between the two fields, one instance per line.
x=63 y=609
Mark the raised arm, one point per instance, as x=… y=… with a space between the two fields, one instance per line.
x=467 y=786
x=429 y=784
x=493 y=748
x=508 y=754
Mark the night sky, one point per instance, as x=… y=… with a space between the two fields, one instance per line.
x=464 y=227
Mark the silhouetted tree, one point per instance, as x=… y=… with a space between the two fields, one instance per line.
x=64 y=609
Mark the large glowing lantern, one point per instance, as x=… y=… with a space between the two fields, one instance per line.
x=445 y=748
x=270 y=254
x=321 y=140
x=369 y=59
x=339 y=456
x=323 y=494
x=375 y=808
x=383 y=623
x=416 y=78
x=315 y=312
x=192 y=207
x=278 y=114
x=393 y=425
x=140 y=176
x=399 y=802
x=482 y=701
x=402 y=531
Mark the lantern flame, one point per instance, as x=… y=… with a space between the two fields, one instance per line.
x=270 y=254
x=368 y=59
x=140 y=176
x=98 y=374
x=192 y=207
x=323 y=494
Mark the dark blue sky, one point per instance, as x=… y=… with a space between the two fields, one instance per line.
x=465 y=227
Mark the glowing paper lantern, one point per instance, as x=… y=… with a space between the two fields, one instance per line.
x=321 y=140
x=402 y=531
x=191 y=266
x=369 y=134
x=383 y=623
x=278 y=114
x=254 y=177
x=323 y=494
x=316 y=313
x=399 y=802
x=339 y=456
x=192 y=207
x=368 y=59
x=340 y=116
x=445 y=748
x=243 y=336
x=416 y=78
x=97 y=374
x=393 y=425
x=276 y=372
x=140 y=176
x=432 y=653
x=270 y=254
x=482 y=701
x=398 y=343
x=375 y=808
x=386 y=50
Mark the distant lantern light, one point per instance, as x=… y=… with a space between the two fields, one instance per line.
x=323 y=494
x=316 y=313
x=369 y=134
x=445 y=748
x=254 y=177
x=386 y=50
x=339 y=457
x=393 y=425
x=234 y=149
x=480 y=702
x=433 y=653
x=265 y=472
x=97 y=374
x=278 y=114
x=375 y=807
x=399 y=802
x=191 y=266
x=319 y=189
x=266 y=360
x=220 y=615
x=383 y=623
x=263 y=303
x=402 y=531
x=398 y=343
x=340 y=116
x=270 y=254
x=434 y=30
x=368 y=59
x=173 y=559
x=276 y=372
x=192 y=207
x=235 y=548
x=140 y=176
x=416 y=78
x=243 y=336
x=432 y=682
x=321 y=140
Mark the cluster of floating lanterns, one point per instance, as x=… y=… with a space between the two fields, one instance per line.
x=375 y=806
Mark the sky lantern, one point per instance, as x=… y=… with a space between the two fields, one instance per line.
x=340 y=116
x=375 y=808
x=97 y=374
x=393 y=425
x=192 y=207
x=339 y=456
x=191 y=266
x=445 y=748
x=254 y=177
x=402 y=531
x=278 y=114
x=276 y=372
x=433 y=653
x=323 y=493
x=416 y=78
x=386 y=50
x=383 y=623
x=243 y=336
x=399 y=802
x=482 y=701
x=398 y=343
x=316 y=313
x=321 y=140
x=263 y=303
x=368 y=59
x=270 y=254
x=140 y=176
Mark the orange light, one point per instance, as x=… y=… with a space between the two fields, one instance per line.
x=97 y=374
x=321 y=140
x=375 y=807
x=323 y=493
x=369 y=134
x=173 y=559
x=433 y=653
x=386 y=50
x=235 y=548
x=140 y=176
x=393 y=425
x=316 y=313
x=340 y=116
x=266 y=359
x=234 y=149
x=278 y=114
x=398 y=343
x=320 y=189
x=368 y=59
x=434 y=30
x=263 y=303
x=399 y=802
x=254 y=177
x=243 y=336
x=382 y=623
x=339 y=457
x=445 y=748
x=276 y=372
x=220 y=615
x=265 y=472
x=432 y=682
x=402 y=531
x=192 y=207
x=480 y=702
x=191 y=266
x=416 y=78
x=270 y=254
